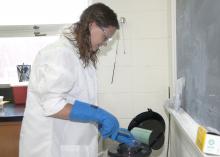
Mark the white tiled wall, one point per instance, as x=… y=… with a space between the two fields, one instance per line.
x=142 y=74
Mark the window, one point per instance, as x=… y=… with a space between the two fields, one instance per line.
x=20 y=21
x=14 y=51
x=30 y=12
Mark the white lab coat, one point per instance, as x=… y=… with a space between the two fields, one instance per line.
x=57 y=78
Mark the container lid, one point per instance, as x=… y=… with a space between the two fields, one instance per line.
x=153 y=121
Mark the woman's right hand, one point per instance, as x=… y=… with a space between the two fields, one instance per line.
x=125 y=136
x=108 y=124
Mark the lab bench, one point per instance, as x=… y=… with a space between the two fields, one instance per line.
x=10 y=124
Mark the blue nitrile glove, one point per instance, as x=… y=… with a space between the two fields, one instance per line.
x=124 y=136
x=83 y=112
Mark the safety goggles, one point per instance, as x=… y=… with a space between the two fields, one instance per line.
x=106 y=38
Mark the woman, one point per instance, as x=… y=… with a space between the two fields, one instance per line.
x=60 y=118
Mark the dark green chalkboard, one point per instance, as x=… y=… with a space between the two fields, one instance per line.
x=198 y=58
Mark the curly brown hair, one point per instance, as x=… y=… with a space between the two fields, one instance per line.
x=79 y=32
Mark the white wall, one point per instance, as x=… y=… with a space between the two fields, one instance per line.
x=183 y=134
x=142 y=74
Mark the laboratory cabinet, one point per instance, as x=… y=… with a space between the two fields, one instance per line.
x=11 y=116
x=9 y=139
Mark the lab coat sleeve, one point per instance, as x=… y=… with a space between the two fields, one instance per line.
x=56 y=76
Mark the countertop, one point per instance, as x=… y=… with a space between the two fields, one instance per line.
x=11 y=113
